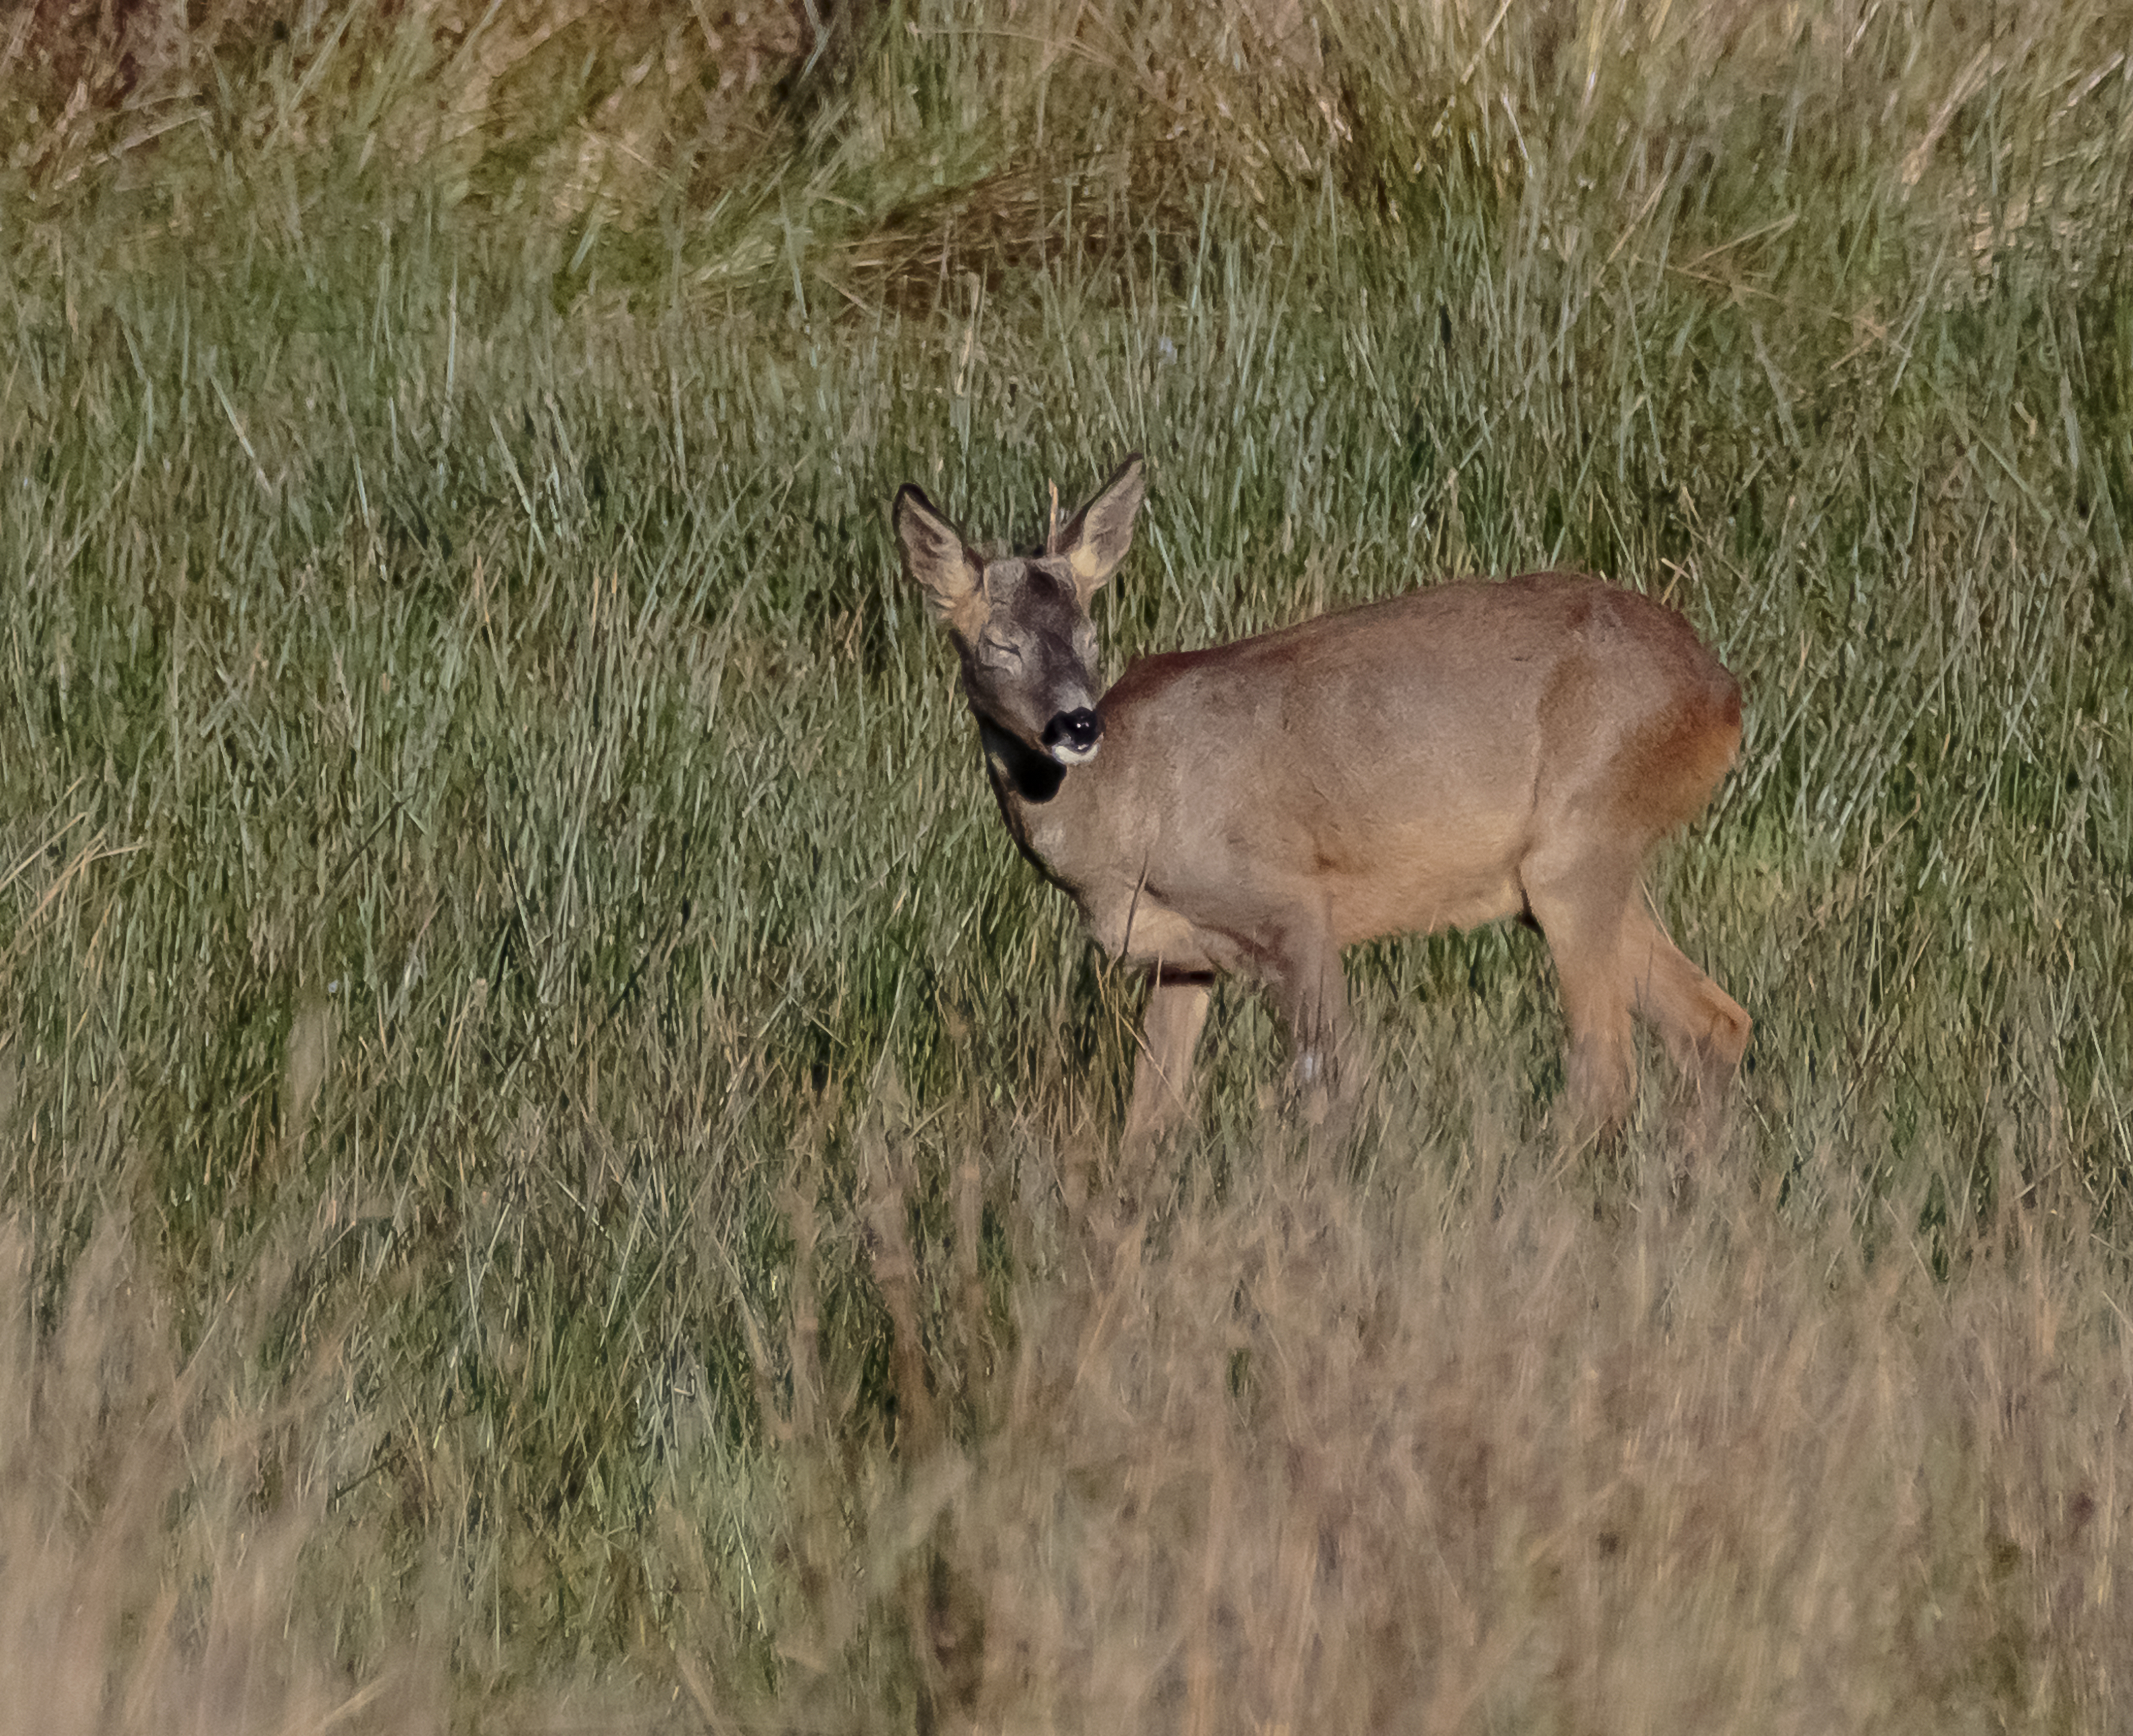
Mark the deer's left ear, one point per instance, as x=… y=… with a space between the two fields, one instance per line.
x=940 y=562
x=1102 y=531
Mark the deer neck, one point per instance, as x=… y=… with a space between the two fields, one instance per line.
x=1046 y=806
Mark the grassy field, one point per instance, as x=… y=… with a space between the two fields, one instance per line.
x=544 y=1128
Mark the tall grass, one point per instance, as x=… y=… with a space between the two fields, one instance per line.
x=541 y=1116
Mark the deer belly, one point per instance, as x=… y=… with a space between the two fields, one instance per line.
x=1417 y=887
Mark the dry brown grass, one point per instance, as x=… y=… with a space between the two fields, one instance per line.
x=900 y=152
x=1494 y=1447
x=153 y=1527
x=1329 y=1463
x=552 y=107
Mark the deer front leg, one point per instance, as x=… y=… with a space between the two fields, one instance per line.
x=1170 y=1032
x=1301 y=966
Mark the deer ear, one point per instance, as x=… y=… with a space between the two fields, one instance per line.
x=939 y=562
x=1102 y=531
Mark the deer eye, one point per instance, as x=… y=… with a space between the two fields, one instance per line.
x=998 y=651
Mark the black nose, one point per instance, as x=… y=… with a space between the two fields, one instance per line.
x=1077 y=730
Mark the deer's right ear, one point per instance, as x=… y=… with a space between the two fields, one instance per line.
x=939 y=562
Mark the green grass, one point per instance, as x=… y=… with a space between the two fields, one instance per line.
x=506 y=938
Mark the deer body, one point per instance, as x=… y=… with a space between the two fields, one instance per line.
x=1443 y=760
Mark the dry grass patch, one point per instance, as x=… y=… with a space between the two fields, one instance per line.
x=1458 y=1452
x=1465 y=1452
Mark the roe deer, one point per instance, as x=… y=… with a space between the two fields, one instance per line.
x=1447 y=758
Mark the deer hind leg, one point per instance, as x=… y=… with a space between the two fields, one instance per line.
x=1705 y=1029
x=1169 y=1033
x=1582 y=909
